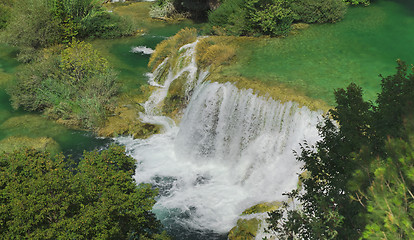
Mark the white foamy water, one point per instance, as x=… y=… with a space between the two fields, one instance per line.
x=232 y=150
x=142 y=49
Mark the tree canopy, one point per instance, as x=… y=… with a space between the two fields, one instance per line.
x=358 y=183
x=49 y=197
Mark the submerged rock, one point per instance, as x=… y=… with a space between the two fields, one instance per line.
x=31 y=125
x=126 y=121
x=11 y=144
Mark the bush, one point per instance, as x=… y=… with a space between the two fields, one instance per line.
x=102 y=24
x=76 y=86
x=31 y=27
x=271 y=17
x=252 y=17
x=317 y=11
x=38 y=24
x=163 y=8
x=230 y=16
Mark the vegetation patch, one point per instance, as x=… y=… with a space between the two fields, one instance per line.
x=169 y=48
x=51 y=197
x=75 y=85
x=125 y=119
x=214 y=52
x=35 y=25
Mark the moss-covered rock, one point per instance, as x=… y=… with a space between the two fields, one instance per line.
x=4 y=115
x=126 y=120
x=31 y=125
x=262 y=207
x=246 y=229
x=169 y=47
x=4 y=77
x=13 y=143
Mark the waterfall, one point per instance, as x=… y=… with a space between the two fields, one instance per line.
x=186 y=64
x=232 y=149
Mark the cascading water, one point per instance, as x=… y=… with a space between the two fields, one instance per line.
x=232 y=150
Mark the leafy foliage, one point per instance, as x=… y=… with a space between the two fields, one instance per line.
x=271 y=17
x=231 y=16
x=76 y=86
x=356 y=2
x=390 y=197
x=44 y=197
x=5 y=12
x=316 y=11
x=31 y=27
x=37 y=24
x=345 y=174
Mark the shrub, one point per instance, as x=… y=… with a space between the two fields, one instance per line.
x=252 y=17
x=31 y=27
x=311 y=11
x=271 y=17
x=230 y=16
x=102 y=24
x=163 y=8
x=76 y=86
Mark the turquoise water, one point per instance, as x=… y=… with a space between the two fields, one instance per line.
x=325 y=57
x=133 y=66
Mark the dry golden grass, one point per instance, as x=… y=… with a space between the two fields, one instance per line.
x=214 y=52
x=169 y=47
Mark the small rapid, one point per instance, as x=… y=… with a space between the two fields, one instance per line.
x=232 y=149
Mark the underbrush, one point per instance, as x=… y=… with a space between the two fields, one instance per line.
x=75 y=86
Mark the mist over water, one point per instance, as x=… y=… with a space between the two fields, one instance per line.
x=232 y=150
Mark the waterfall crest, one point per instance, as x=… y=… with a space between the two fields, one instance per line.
x=232 y=149
x=162 y=79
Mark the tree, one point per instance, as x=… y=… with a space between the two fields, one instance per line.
x=45 y=197
x=390 y=196
x=345 y=173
